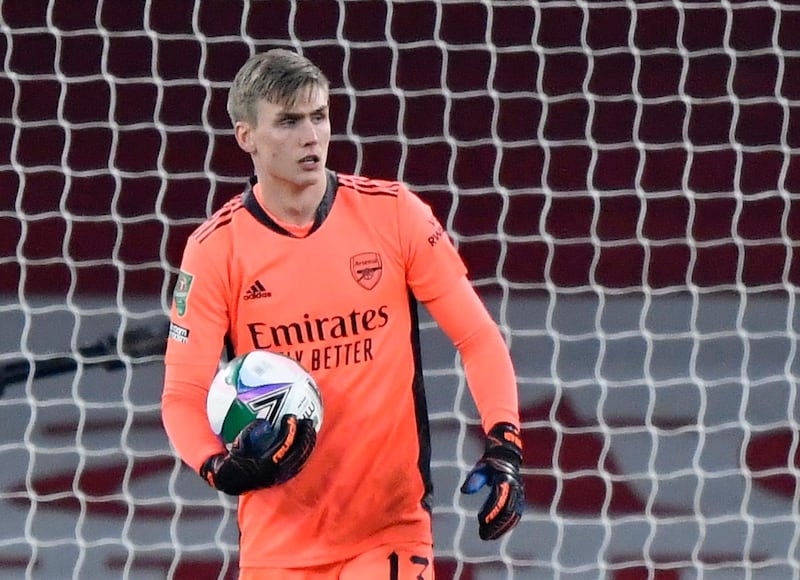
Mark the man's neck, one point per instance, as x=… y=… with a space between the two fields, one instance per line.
x=293 y=206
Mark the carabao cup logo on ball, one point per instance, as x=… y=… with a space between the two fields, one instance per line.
x=264 y=385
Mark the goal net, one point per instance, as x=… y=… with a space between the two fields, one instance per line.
x=621 y=178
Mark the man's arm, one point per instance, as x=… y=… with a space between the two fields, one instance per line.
x=462 y=316
x=183 y=412
x=198 y=324
x=437 y=276
x=492 y=381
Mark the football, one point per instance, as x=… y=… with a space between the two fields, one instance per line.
x=261 y=384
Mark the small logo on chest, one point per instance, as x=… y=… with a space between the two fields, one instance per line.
x=366 y=269
x=257 y=290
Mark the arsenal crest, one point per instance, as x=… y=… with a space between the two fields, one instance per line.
x=366 y=269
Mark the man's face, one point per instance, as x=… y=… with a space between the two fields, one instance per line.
x=289 y=145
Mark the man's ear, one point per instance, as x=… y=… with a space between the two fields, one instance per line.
x=244 y=136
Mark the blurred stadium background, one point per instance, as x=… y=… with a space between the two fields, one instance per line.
x=622 y=179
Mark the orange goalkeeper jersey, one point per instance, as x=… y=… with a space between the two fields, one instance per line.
x=342 y=301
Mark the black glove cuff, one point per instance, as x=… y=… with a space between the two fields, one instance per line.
x=209 y=468
x=230 y=475
x=504 y=442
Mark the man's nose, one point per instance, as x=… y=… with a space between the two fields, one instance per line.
x=309 y=132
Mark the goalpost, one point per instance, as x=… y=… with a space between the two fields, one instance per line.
x=621 y=177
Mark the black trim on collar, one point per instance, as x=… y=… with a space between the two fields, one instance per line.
x=250 y=202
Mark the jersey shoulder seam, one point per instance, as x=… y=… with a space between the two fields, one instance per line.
x=218 y=220
x=369 y=186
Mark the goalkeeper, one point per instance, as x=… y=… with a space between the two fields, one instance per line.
x=329 y=268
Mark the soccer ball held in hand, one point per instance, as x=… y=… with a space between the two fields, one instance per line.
x=261 y=385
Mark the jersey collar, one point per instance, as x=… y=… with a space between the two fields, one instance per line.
x=323 y=209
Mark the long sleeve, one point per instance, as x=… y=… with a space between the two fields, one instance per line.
x=198 y=322
x=488 y=367
x=184 y=412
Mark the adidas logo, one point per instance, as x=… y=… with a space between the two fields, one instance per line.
x=257 y=290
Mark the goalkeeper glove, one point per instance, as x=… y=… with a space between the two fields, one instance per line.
x=261 y=457
x=499 y=469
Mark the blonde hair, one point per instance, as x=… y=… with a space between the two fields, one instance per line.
x=277 y=76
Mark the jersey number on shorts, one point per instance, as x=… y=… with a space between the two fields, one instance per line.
x=394 y=566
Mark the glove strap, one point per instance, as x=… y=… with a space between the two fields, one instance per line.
x=209 y=469
x=504 y=442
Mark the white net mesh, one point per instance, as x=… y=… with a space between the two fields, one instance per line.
x=622 y=179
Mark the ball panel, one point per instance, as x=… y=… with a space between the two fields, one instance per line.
x=303 y=400
x=221 y=396
x=263 y=367
x=231 y=370
x=266 y=401
x=238 y=416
